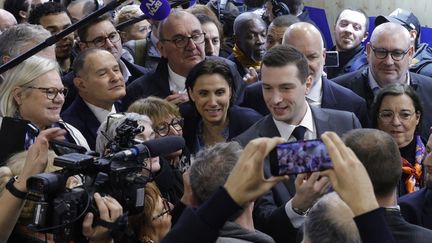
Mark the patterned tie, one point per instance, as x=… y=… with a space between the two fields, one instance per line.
x=299 y=132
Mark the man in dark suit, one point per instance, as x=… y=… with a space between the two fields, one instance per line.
x=378 y=152
x=100 y=83
x=101 y=33
x=416 y=207
x=181 y=45
x=286 y=81
x=325 y=94
x=389 y=55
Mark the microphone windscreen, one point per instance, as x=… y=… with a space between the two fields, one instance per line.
x=156 y=9
x=164 y=145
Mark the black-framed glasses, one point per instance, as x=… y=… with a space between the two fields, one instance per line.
x=388 y=116
x=101 y=40
x=166 y=209
x=181 y=41
x=163 y=128
x=51 y=93
x=382 y=53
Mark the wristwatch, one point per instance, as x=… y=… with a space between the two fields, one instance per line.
x=300 y=211
x=13 y=190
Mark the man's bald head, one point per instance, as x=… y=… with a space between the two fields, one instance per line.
x=6 y=20
x=390 y=29
x=302 y=30
x=307 y=39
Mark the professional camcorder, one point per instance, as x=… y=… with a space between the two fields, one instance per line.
x=119 y=174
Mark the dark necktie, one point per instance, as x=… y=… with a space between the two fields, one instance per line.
x=299 y=133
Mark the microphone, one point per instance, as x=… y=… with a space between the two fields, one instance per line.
x=156 y=9
x=153 y=148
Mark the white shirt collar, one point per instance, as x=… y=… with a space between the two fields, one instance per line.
x=176 y=82
x=124 y=70
x=100 y=113
x=375 y=86
x=285 y=129
x=314 y=97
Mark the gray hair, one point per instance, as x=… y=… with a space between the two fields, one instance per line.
x=104 y=134
x=22 y=75
x=331 y=221
x=211 y=168
x=18 y=38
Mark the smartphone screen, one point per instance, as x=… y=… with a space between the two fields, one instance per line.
x=299 y=157
x=332 y=59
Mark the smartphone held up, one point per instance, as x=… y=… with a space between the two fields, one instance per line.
x=299 y=157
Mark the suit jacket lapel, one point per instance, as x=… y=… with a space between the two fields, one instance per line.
x=268 y=128
x=321 y=120
x=328 y=98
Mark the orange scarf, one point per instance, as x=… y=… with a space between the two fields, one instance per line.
x=414 y=173
x=245 y=61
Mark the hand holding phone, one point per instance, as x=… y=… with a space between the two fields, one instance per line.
x=299 y=157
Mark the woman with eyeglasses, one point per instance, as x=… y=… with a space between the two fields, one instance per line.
x=211 y=116
x=397 y=110
x=33 y=91
x=154 y=222
x=166 y=122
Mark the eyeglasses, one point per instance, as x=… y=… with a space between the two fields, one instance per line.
x=101 y=41
x=51 y=93
x=182 y=41
x=163 y=128
x=166 y=209
x=382 y=53
x=388 y=116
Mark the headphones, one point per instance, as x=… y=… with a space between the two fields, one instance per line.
x=279 y=8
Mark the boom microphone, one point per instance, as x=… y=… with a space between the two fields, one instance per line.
x=156 y=9
x=153 y=148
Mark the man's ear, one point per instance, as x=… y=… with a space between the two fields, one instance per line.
x=79 y=83
x=23 y=14
x=308 y=83
x=5 y=59
x=82 y=45
x=160 y=47
x=365 y=36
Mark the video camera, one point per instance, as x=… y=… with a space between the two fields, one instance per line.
x=59 y=210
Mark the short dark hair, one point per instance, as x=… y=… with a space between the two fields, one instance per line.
x=45 y=9
x=15 y=6
x=204 y=19
x=330 y=220
x=397 y=89
x=82 y=32
x=282 y=55
x=380 y=155
x=79 y=62
x=212 y=66
x=356 y=10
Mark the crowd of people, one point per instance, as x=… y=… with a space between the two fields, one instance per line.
x=230 y=82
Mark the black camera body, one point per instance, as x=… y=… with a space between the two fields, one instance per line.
x=60 y=210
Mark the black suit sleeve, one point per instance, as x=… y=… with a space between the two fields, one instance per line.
x=203 y=225
x=373 y=227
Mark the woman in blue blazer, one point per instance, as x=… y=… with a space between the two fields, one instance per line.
x=210 y=115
